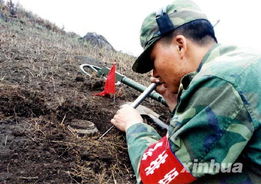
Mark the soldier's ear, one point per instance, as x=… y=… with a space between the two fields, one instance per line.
x=181 y=44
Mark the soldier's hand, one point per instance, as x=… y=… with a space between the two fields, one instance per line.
x=125 y=117
x=171 y=98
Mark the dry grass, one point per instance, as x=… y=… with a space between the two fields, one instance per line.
x=51 y=42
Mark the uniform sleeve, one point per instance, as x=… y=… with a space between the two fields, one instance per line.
x=139 y=137
x=211 y=127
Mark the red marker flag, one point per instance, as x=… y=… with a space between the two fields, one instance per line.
x=109 y=87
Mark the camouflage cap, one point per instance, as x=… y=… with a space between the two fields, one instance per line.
x=177 y=13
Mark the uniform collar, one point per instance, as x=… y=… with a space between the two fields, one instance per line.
x=212 y=53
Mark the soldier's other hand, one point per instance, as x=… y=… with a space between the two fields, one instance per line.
x=170 y=97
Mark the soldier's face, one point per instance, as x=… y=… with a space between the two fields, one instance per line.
x=169 y=65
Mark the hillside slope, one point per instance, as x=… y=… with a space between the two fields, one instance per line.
x=44 y=96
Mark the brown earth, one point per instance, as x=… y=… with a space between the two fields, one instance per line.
x=42 y=93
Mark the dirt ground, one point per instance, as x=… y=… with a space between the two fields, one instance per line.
x=42 y=95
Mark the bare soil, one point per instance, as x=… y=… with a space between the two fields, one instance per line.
x=42 y=91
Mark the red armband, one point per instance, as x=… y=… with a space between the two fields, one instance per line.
x=159 y=165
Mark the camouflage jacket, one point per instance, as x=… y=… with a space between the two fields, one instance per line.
x=217 y=120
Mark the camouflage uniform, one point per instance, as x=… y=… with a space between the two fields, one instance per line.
x=218 y=117
x=218 y=114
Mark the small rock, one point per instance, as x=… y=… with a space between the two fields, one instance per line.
x=79 y=79
x=5 y=176
x=5 y=154
x=98 y=41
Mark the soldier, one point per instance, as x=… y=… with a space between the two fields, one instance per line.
x=214 y=93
